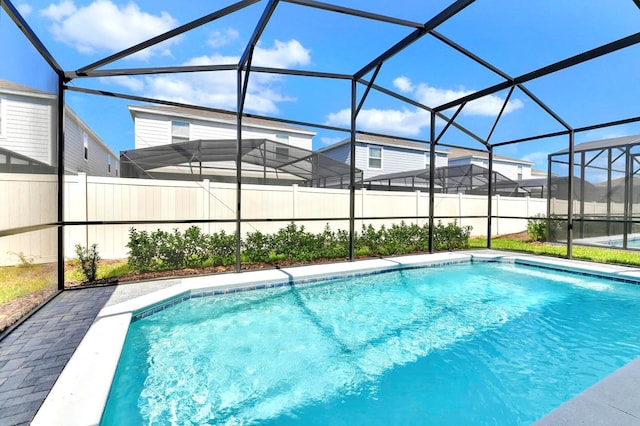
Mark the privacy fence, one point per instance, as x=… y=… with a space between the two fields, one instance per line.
x=148 y=204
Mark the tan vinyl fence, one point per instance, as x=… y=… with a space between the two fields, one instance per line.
x=103 y=199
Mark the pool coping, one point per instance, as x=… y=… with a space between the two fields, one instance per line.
x=84 y=384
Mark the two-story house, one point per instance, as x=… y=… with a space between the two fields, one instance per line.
x=512 y=168
x=28 y=120
x=186 y=144
x=377 y=155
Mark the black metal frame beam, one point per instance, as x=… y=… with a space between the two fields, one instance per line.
x=423 y=107
x=257 y=32
x=166 y=36
x=354 y=12
x=26 y=29
x=431 y=24
x=199 y=108
x=549 y=69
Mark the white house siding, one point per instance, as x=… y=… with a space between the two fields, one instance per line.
x=151 y=130
x=29 y=127
x=507 y=169
x=97 y=162
x=341 y=153
x=155 y=130
x=394 y=160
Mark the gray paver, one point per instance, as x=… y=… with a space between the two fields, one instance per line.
x=34 y=354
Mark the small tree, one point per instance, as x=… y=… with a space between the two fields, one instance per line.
x=89 y=259
x=537 y=228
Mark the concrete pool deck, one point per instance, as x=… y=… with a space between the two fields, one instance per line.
x=82 y=388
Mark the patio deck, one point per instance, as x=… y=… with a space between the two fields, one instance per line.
x=34 y=354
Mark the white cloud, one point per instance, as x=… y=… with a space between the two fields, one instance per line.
x=282 y=55
x=58 y=12
x=222 y=38
x=104 y=26
x=330 y=141
x=218 y=89
x=24 y=9
x=403 y=84
x=488 y=105
x=408 y=122
x=411 y=121
x=537 y=157
x=133 y=83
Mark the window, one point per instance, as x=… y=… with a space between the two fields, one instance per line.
x=85 y=142
x=282 y=138
x=375 y=157
x=109 y=163
x=519 y=172
x=179 y=131
x=282 y=153
x=427 y=160
x=116 y=168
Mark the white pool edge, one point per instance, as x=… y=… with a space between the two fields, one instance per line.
x=83 y=386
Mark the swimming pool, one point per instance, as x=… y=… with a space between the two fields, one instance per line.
x=471 y=343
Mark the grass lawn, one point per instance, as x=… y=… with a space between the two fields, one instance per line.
x=595 y=254
x=16 y=281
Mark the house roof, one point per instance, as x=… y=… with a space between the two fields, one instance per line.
x=7 y=86
x=384 y=141
x=302 y=163
x=603 y=143
x=217 y=116
x=459 y=153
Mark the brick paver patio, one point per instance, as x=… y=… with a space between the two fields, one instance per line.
x=34 y=354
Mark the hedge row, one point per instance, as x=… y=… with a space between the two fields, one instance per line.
x=162 y=250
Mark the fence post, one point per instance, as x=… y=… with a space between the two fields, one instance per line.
x=294 y=198
x=497 y=214
x=206 y=206
x=83 y=207
x=418 y=207
x=460 y=210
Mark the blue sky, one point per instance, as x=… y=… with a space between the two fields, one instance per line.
x=517 y=37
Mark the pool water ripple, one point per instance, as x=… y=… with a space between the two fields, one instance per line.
x=474 y=344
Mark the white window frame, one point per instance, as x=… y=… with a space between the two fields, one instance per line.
x=369 y=157
x=182 y=138
x=281 y=137
x=85 y=146
x=109 y=163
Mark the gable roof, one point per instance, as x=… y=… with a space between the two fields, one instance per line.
x=603 y=143
x=459 y=153
x=7 y=86
x=217 y=116
x=384 y=141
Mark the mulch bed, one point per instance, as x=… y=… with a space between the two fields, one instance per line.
x=13 y=310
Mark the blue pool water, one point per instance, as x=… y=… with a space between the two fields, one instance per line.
x=632 y=242
x=460 y=344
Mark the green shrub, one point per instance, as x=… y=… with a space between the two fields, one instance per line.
x=450 y=236
x=221 y=248
x=142 y=251
x=537 y=228
x=88 y=258
x=196 y=250
x=162 y=250
x=256 y=247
